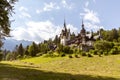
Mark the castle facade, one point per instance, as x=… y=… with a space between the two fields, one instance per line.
x=83 y=40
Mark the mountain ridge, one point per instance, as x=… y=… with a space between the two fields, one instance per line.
x=9 y=44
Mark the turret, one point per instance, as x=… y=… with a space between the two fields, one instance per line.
x=83 y=31
x=65 y=25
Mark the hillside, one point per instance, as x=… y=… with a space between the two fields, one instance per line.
x=83 y=68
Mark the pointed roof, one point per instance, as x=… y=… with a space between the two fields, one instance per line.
x=65 y=25
x=83 y=31
x=82 y=24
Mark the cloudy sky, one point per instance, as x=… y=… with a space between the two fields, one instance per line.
x=38 y=20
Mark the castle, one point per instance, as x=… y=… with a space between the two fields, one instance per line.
x=83 y=40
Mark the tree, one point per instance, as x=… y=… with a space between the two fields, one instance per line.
x=1 y=56
x=44 y=48
x=33 y=49
x=110 y=35
x=73 y=35
x=21 y=50
x=26 y=51
x=56 y=40
x=6 y=9
x=103 y=46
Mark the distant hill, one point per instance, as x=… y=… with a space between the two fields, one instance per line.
x=9 y=44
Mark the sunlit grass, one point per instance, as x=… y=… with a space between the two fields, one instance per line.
x=83 y=68
x=38 y=60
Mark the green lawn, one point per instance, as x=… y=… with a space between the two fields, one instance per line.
x=83 y=68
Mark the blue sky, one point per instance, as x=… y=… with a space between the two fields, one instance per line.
x=38 y=20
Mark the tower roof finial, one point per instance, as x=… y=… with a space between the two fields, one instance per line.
x=82 y=24
x=64 y=22
x=65 y=28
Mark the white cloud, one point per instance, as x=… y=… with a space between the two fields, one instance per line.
x=94 y=1
x=24 y=14
x=86 y=3
x=38 y=31
x=66 y=5
x=23 y=8
x=90 y=16
x=38 y=11
x=91 y=26
x=55 y=6
x=50 y=6
x=72 y=28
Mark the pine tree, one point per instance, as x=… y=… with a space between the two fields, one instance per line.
x=33 y=49
x=21 y=50
x=73 y=35
x=6 y=9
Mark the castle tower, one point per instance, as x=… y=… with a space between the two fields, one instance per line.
x=65 y=35
x=83 y=31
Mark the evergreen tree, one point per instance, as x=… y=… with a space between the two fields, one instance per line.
x=56 y=40
x=6 y=9
x=26 y=51
x=21 y=50
x=115 y=34
x=33 y=49
x=43 y=47
x=73 y=35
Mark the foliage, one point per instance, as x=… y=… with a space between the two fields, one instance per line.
x=56 y=40
x=20 y=50
x=76 y=56
x=26 y=52
x=70 y=56
x=67 y=50
x=89 y=55
x=9 y=57
x=1 y=56
x=43 y=48
x=83 y=53
x=103 y=46
x=72 y=35
x=6 y=9
x=114 y=51
x=33 y=49
x=62 y=55
x=111 y=35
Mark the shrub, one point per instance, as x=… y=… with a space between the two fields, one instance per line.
x=105 y=53
x=62 y=55
x=9 y=56
x=83 y=54
x=76 y=56
x=70 y=56
x=103 y=45
x=66 y=49
x=114 y=51
x=48 y=55
x=89 y=55
x=39 y=54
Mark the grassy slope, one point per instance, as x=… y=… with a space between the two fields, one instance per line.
x=84 y=68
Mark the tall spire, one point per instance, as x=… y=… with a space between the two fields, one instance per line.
x=82 y=24
x=83 y=31
x=65 y=25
